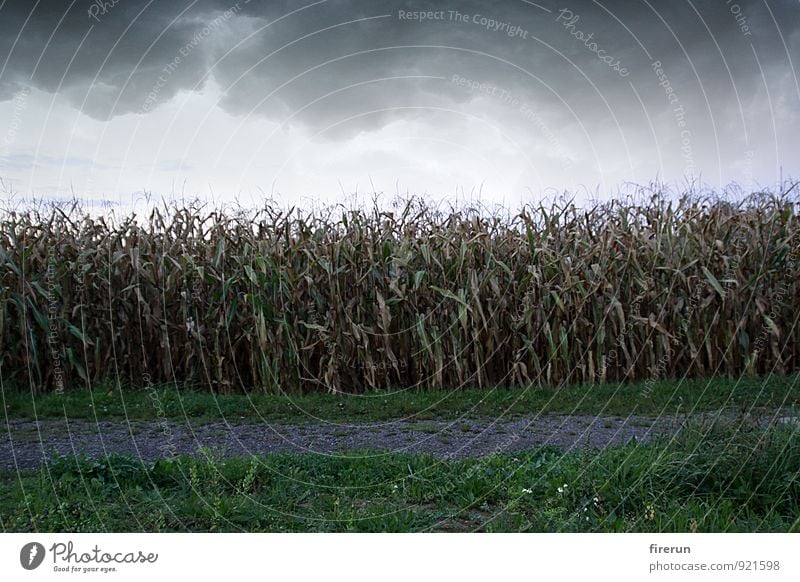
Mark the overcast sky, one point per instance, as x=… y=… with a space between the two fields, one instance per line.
x=306 y=101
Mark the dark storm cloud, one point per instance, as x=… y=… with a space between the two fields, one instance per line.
x=362 y=59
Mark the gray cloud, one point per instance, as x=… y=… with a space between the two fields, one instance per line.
x=341 y=67
x=115 y=63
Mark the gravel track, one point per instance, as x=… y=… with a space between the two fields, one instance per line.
x=25 y=444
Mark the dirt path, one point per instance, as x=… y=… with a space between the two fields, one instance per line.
x=24 y=444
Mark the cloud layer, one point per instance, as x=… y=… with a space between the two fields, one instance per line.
x=703 y=84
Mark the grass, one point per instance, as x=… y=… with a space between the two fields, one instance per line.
x=648 y=398
x=711 y=479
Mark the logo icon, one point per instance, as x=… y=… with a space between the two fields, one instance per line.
x=32 y=555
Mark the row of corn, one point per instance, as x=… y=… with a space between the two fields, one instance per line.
x=352 y=300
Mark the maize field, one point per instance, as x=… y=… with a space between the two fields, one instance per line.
x=284 y=301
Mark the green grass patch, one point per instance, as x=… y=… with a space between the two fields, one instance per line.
x=649 y=398
x=708 y=480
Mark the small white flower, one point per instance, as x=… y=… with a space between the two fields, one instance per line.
x=527 y=490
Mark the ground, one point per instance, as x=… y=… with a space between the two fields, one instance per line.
x=694 y=456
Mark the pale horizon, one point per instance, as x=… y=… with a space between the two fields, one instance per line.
x=311 y=104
